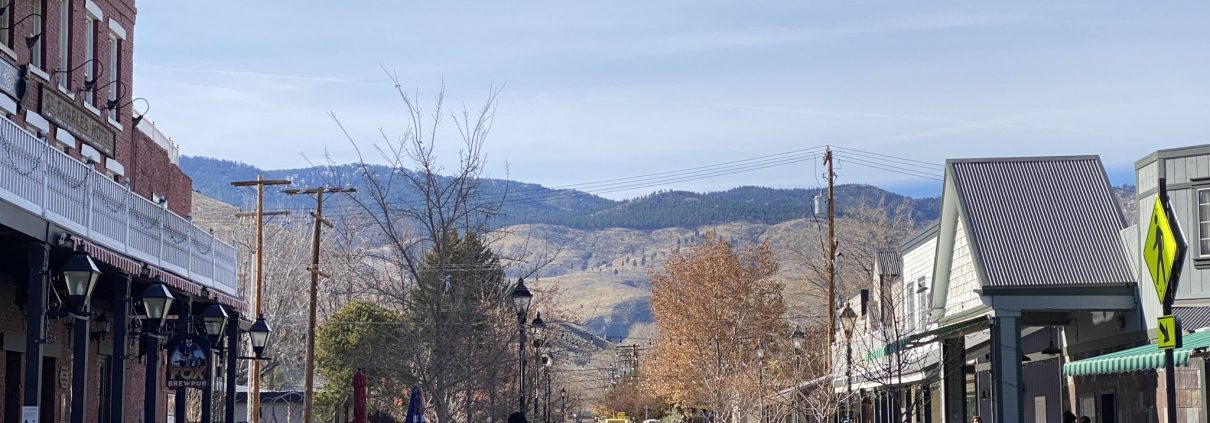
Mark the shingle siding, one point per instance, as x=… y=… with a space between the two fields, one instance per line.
x=964 y=280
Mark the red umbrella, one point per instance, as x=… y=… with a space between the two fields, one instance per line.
x=359 y=398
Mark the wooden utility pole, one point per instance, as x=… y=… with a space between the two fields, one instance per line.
x=259 y=214
x=318 y=214
x=828 y=159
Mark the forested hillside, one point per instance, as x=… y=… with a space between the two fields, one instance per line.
x=534 y=204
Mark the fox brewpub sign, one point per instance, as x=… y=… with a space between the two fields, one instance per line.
x=188 y=362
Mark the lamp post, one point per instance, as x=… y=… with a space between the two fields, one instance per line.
x=562 y=404
x=259 y=335
x=80 y=275
x=157 y=300
x=546 y=362
x=538 y=329
x=797 y=339
x=848 y=318
x=760 y=363
x=214 y=319
x=521 y=299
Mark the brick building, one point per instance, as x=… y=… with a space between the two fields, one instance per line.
x=82 y=172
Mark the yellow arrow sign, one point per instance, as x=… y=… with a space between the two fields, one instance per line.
x=1161 y=249
x=1169 y=335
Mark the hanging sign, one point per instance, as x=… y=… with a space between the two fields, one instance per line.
x=188 y=362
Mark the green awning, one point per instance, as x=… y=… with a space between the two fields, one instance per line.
x=1143 y=357
x=918 y=339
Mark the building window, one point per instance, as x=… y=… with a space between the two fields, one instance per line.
x=1203 y=222
x=114 y=73
x=6 y=22
x=909 y=312
x=90 y=53
x=922 y=303
x=64 y=42
x=35 y=52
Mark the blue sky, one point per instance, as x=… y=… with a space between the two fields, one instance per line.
x=601 y=90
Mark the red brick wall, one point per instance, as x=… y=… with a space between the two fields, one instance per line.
x=154 y=173
x=164 y=178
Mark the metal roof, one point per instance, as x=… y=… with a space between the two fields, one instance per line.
x=1192 y=318
x=890 y=263
x=1041 y=221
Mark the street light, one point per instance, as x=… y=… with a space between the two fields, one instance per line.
x=538 y=327
x=215 y=319
x=80 y=273
x=798 y=338
x=563 y=403
x=848 y=318
x=521 y=300
x=760 y=358
x=259 y=334
x=547 y=361
x=157 y=300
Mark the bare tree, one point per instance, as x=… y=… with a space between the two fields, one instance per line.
x=408 y=245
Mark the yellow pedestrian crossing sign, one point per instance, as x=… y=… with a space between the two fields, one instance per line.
x=1168 y=334
x=1163 y=250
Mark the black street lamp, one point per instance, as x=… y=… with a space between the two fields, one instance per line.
x=215 y=319
x=798 y=338
x=259 y=334
x=521 y=300
x=760 y=359
x=563 y=404
x=80 y=273
x=538 y=327
x=848 y=318
x=157 y=300
x=546 y=362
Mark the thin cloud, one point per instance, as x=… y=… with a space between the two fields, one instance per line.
x=774 y=109
x=248 y=74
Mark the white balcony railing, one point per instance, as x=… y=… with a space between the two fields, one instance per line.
x=51 y=184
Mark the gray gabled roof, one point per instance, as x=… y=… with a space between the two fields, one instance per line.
x=889 y=262
x=1041 y=221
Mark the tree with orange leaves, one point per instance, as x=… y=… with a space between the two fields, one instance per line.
x=713 y=304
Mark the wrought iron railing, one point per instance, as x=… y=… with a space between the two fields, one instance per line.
x=47 y=182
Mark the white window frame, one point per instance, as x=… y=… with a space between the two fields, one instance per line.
x=1202 y=220
x=90 y=53
x=64 y=44
x=6 y=21
x=36 y=53
x=112 y=70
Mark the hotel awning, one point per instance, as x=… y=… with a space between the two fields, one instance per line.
x=1143 y=357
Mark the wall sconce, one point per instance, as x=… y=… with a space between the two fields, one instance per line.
x=103 y=327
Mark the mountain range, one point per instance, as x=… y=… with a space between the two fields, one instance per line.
x=526 y=203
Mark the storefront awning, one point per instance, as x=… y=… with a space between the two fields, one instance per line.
x=928 y=336
x=1143 y=357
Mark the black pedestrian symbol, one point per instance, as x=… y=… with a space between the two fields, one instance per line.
x=1160 y=272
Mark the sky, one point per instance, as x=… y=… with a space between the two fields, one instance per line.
x=596 y=91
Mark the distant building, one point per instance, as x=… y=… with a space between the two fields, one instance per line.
x=81 y=168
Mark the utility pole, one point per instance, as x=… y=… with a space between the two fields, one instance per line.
x=318 y=214
x=259 y=214
x=828 y=159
